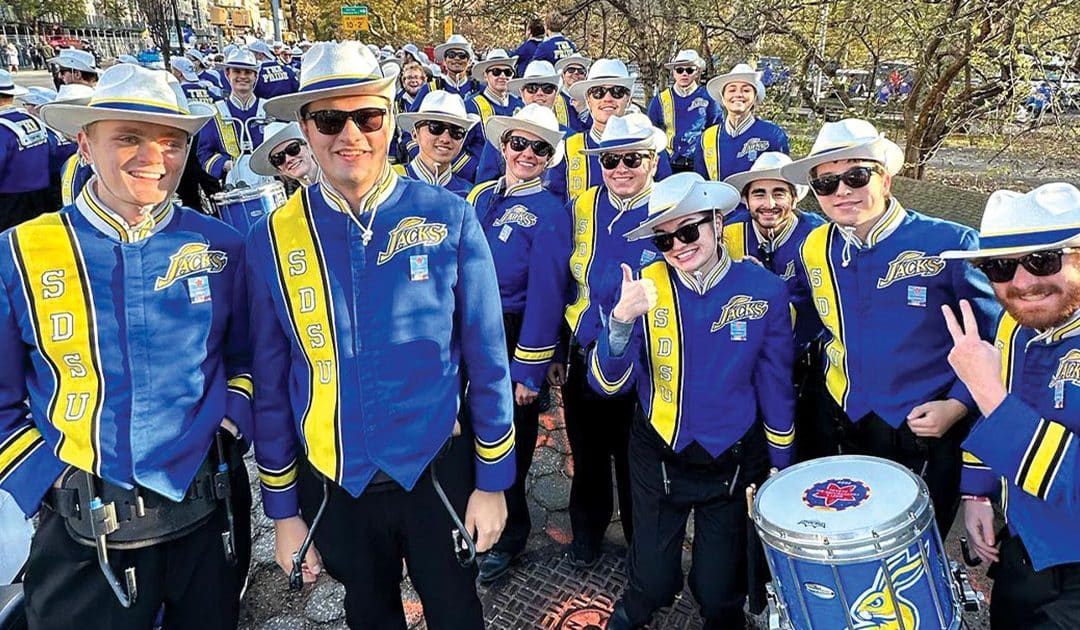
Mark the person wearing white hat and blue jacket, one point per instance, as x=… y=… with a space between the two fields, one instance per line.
x=275 y=78
x=438 y=128
x=495 y=99
x=135 y=445
x=376 y=297
x=706 y=342
x=1023 y=450
x=456 y=54
x=25 y=153
x=230 y=136
x=684 y=109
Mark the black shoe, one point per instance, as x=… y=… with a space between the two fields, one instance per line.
x=493 y=565
x=583 y=557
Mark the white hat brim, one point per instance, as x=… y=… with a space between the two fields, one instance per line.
x=579 y=89
x=69 y=119
x=881 y=149
x=408 y=120
x=17 y=90
x=969 y=254
x=715 y=86
x=287 y=106
x=496 y=127
x=57 y=61
x=645 y=229
x=657 y=142
x=260 y=157
x=579 y=60
x=441 y=50
x=480 y=68
x=515 y=85
x=740 y=180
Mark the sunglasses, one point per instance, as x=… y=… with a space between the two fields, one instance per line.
x=687 y=234
x=456 y=54
x=610 y=161
x=574 y=70
x=438 y=128
x=533 y=88
x=856 y=177
x=330 y=122
x=291 y=150
x=539 y=147
x=685 y=70
x=501 y=72
x=1039 y=264
x=616 y=91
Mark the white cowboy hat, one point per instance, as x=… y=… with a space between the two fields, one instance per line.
x=1017 y=223
x=8 y=87
x=412 y=50
x=495 y=57
x=686 y=57
x=275 y=133
x=575 y=59
x=680 y=195
x=741 y=73
x=228 y=49
x=538 y=71
x=534 y=118
x=848 y=139
x=128 y=59
x=76 y=60
x=333 y=69
x=74 y=94
x=602 y=72
x=37 y=95
x=194 y=55
x=442 y=106
x=391 y=66
x=260 y=47
x=296 y=51
x=456 y=42
x=278 y=45
x=241 y=59
x=632 y=132
x=128 y=92
x=767 y=166
x=184 y=66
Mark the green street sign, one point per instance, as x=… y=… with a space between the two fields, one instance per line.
x=357 y=10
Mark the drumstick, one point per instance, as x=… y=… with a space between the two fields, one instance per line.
x=751 y=490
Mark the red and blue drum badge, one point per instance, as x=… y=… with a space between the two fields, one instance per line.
x=836 y=495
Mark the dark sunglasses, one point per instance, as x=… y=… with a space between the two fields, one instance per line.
x=438 y=128
x=519 y=144
x=330 y=122
x=610 y=161
x=856 y=177
x=685 y=70
x=687 y=234
x=616 y=91
x=1039 y=264
x=533 y=88
x=456 y=54
x=501 y=72
x=574 y=70
x=291 y=150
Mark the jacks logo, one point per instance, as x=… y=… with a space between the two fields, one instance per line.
x=190 y=259
x=740 y=307
x=517 y=214
x=412 y=232
x=754 y=147
x=1068 y=369
x=911 y=264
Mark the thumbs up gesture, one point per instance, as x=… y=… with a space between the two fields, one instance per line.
x=638 y=296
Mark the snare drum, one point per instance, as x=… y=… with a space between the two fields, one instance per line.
x=242 y=207
x=852 y=543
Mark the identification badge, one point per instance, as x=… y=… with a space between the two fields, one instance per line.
x=916 y=296
x=647 y=257
x=418 y=268
x=1059 y=395
x=198 y=289
x=738 y=331
x=504 y=235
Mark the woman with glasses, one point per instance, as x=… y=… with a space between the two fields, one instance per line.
x=684 y=110
x=706 y=342
x=528 y=231
x=285 y=154
x=438 y=128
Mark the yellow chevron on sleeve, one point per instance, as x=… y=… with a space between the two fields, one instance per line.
x=780 y=439
x=609 y=387
x=243 y=384
x=971 y=461
x=523 y=354
x=17 y=447
x=1043 y=458
x=278 y=480
x=494 y=452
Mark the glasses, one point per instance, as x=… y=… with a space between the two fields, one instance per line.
x=330 y=122
x=533 y=88
x=853 y=178
x=574 y=70
x=610 y=161
x=456 y=54
x=291 y=150
x=501 y=72
x=438 y=128
x=539 y=147
x=616 y=91
x=687 y=234
x=685 y=70
x=1039 y=264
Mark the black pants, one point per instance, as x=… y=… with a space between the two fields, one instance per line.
x=715 y=490
x=189 y=576
x=1033 y=600
x=363 y=540
x=599 y=430
x=936 y=460
x=526 y=427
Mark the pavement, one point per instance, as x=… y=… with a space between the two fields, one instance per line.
x=34 y=78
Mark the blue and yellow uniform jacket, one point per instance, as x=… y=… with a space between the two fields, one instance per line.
x=486 y=105
x=599 y=221
x=555 y=47
x=568 y=115
x=464 y=89
x=124 y=347
x=1026 y=450
x=723 y=153
x=363 y=328
x=712 y=356
x=73 y=177
x=778 y=254
x=880 y=304
x=528 y=231
x=580 y=172
x=447 y=179
x=200 y=92
x=492 y=165
x=684 y=119
x=224 y=139
x=24 y=152
x=275 y=79
x=464 y=166
x=60 y=149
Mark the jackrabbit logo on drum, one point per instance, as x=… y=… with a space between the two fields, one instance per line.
x=883 y=605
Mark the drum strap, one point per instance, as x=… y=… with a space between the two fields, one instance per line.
x=711 y=140
x=667 y=104
x=227 y=130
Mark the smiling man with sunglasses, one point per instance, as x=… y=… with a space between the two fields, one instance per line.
x=455 y=55
x=495 y=71
x=285 y=153
x=571 y=70
x=373 y=296
x=873 y=279
x=1024 y=448
x=684 y=110
x=438 y=127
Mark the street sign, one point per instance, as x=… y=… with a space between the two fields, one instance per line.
x=448 y=27
x=354 y=19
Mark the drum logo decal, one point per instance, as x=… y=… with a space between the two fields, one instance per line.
x=883 y=605
x=836 y=495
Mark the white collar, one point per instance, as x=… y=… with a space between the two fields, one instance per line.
x=242 y=106
x=687 y=92
x=700 y=282
x=520 y=189
x=1070 y=328
x=494 y=98
x=777 y=239
x=115 y=226
x=743 y=126
x=438 y=177
x=369 y=203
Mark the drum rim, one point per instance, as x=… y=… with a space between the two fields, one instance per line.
x=247 y=193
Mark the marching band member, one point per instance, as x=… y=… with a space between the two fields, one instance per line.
x=571 y=70
x=374 y=295
x=274 y=78
x=154 y=399
x=555 y=46
x=195 y=89
x=202 y=68
x=528 y=231
x=495 y=99
x=1024 y=448
x=230 y=136
x=77 y=66
x=684 y=110
x=285 y=153
x=456 y=54
x=706 y=341
x=74 y=171
x=413 y=83
x=439 y=127
x=25 y=153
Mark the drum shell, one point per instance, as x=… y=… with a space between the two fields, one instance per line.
x=242 y=207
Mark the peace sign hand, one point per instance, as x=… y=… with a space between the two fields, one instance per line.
x=976 y=362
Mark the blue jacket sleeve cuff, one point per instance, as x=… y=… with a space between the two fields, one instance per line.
x=31 y=479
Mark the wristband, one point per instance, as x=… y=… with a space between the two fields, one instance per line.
x=971 y=497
